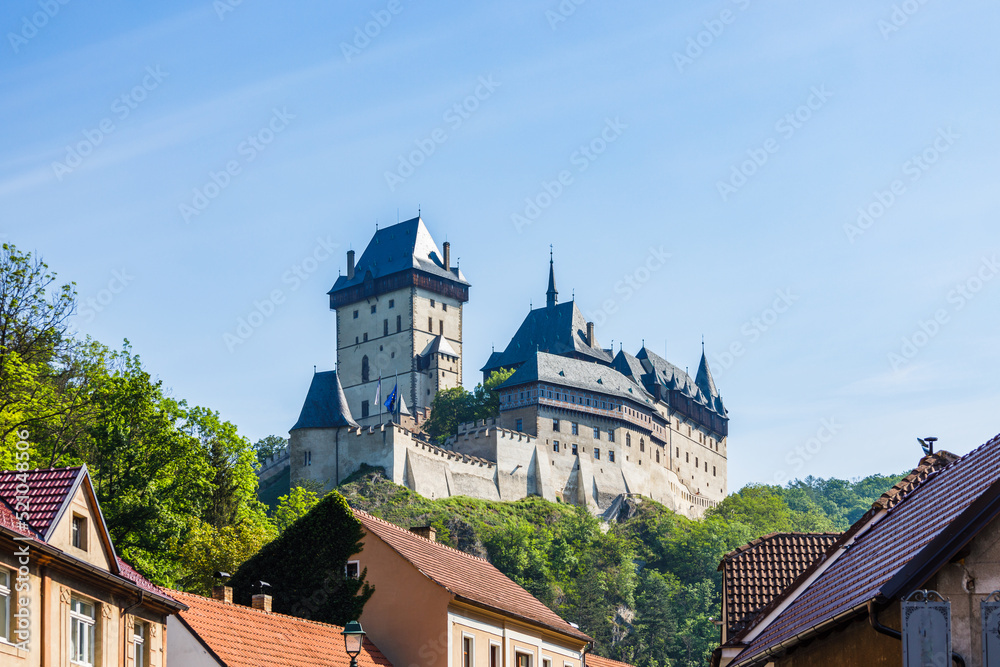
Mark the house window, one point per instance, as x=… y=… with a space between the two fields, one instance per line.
x=355 y=314
x=81 y=620
x=522 y=659
x=597 y=453
x=574 y=428
x=574 y=449
x=79 y=532
x=353 y=569
x=519 y=425
x=611 y=435
x=555 y=425
x=468 y=652
x=139 y=644
x=307 y=458
x=555 y=445
x=385 y=327
x=392 y=303
x=611 y=455
x=546 y=662
x=365 y=367
x=5 y=604
x=597 y=433
x=494 y=655
x=364 y=409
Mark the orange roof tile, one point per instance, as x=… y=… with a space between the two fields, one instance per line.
x=592 y=660
x=246 y=637
x=467 y=577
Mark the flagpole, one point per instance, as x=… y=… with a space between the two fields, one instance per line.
x=396 y=406
x=378 y=397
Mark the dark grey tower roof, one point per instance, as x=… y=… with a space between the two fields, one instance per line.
x=704 y=378
x=325 y=405
x=552 y=295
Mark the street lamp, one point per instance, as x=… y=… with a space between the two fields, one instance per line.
x=354 y=636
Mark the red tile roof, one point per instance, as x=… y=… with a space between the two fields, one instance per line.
x=890 y=544
x=46 y=491
x=9 y=521
x=592 y=660
x=758 y=572
x=468 y=577
x=247 y=637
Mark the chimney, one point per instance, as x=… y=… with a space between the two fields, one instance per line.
x=590 y=334
x=427 y=532
x=447 y=256
x=262 y=602
x=223 y=594
x=350 y=264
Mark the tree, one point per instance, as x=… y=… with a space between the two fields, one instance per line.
x=455 y=406
x=293 y=506
x=306 y=566
x=269 y=446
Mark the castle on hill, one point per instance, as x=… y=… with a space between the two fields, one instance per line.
x=578 y=423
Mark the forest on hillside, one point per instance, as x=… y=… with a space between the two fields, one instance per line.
x=178 y=490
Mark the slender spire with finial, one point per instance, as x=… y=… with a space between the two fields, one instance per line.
x=552 y=295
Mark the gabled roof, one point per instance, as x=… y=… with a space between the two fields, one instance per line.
x=241 y=636
x=48 y=491
x=907 y=536
x=567 y=372
x=468 y=578
x=400 y=247
x=325 y=405
x=759 y=571
x=559 y=329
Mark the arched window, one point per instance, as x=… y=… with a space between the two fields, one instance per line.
x=364 y=369
x=642 y=444
x=657 y=455
x=628 y=439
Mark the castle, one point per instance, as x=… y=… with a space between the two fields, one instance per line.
x=578 y=423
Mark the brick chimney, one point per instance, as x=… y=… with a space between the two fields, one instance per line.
x=447 y=256
x=590 y=334
x=350 y=264
x=427 y=532
x=262 y=602
x=223 y=594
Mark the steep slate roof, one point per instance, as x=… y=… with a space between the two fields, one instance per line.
x=325 y=405
x=466 y=577
x=907 y=536
x=661 y=372
x=48 y=489
x=241 y=636
x=560 y=329
x=400 y=247
x=542 y=367
x=439 y=344
x=706 y=383
x=759 y=571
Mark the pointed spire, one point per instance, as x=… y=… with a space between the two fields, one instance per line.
x=552 y=295
x=704 y=378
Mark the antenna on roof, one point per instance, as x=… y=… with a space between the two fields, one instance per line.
x=418 y=210
x=314 y=369
x=927 y=444
x=703 y=343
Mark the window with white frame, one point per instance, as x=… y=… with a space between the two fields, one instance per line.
x=79 y=532
x=139 y=644
x=353 y=569
x=522 y=659
x=546 y=662
x=495 y=655
x=5 y=608
x=82 y=619
x=468 y=651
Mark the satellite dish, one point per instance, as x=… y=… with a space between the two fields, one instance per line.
x=927 y=444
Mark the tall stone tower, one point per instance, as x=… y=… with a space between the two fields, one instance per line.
x=399 y=314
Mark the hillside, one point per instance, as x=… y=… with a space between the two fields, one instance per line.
x=645 y=587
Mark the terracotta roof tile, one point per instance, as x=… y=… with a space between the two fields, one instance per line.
x=759 y=571
x=597 y=661
x=247 y=637
x=919 y=510
x=46 y=490
x=468 y=577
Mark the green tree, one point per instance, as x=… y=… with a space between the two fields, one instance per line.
x=293 y=506
x=269 y=446
x=456 y=405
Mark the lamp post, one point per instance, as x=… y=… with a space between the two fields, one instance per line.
x=354 y=636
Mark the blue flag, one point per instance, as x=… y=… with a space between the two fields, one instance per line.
x=390 y=401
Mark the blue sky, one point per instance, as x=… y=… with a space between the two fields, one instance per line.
x=822 y=176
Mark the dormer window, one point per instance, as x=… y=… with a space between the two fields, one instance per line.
x=79 y=532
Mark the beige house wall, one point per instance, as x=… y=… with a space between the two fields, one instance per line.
x=511 y=637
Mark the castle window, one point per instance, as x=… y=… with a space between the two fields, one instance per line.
x=574 y=449
x=366 y=335
x=399 y=323
x=713 y=471
x=432 y=303
x=522 y=395
x=519 y=425
x=441 y=327
x=364 y=409
x=430 y=325
x=706 y=466
x=611 y=455
x=555 y=445
x=356 y=340
x=657 y=456
x=696 y=462
x=574 y=428
x=678 y=452
x=385 y=327
x=597 y=433
x=307 y=458
x=373 y=310
x=588 y=401
x=687 y=457
x=444 y=307
x=597 y=453
x=628 y=439
x=355 y=314
x=392 y=303
x=611 y=435
x=365 y=369
x=642 y=444
x=555 y=425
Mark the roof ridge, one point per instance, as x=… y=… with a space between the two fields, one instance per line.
x=760 y=540
x=411 y=533
x=925 y=469
x=251 y=609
